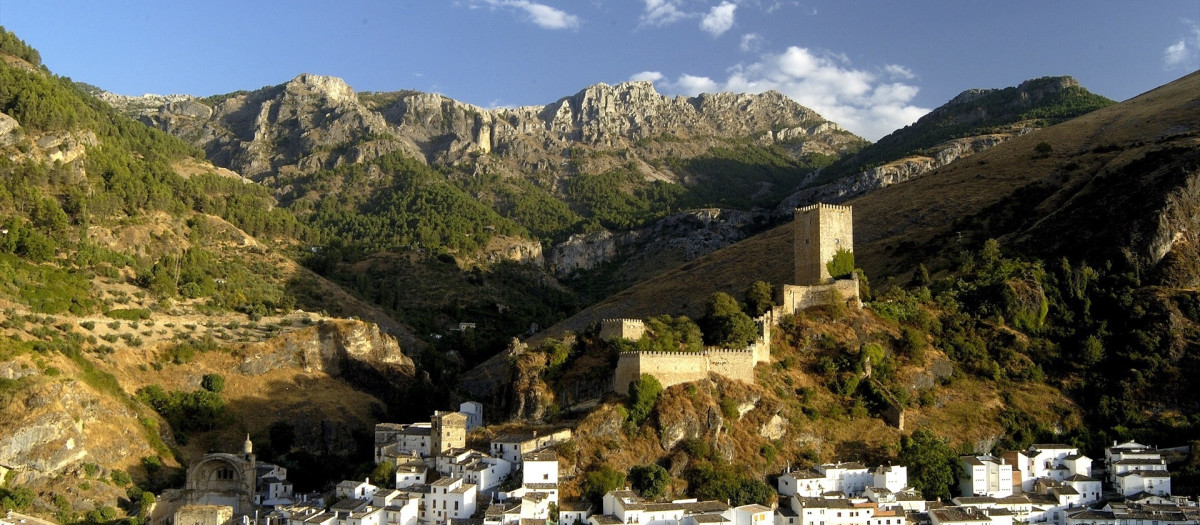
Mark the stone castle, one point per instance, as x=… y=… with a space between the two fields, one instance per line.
x=820 y=230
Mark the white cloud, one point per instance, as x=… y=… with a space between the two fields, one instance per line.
x=897 y=71
x=540 y=14
x=663 y=12
x=751 y=42
x=1185 y=53
x=647 y=76
x=719 y=19
x=855 y=99
x=694 y=85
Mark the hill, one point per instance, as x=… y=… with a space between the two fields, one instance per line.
x=149 y=310
x=973 y=121
x=1073 y=299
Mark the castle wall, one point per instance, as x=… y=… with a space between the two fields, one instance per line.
x=734 y=364
x=798 y=298
x=819 y=231
x=631 y=329
x=673 y=368
x=629 y=369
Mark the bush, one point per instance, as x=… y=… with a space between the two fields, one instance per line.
x=651 y=481
x=120 y=478
x=213 y=383
x=725 y=324
x=599 y=482
x=841 y=266
x=643 y=396
x=128 y=314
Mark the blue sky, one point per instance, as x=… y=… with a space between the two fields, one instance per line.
x=871 y=66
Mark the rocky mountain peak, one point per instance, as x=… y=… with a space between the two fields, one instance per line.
x=333 y=88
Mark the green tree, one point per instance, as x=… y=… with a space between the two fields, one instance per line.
x=384 y=474
x=598 y=482
x=725 y=324
x=213 y=383
x=932 y=465
x=651 y=481
x=759 y=299
x=841 y=265
x=643 y=396
x=725 y=483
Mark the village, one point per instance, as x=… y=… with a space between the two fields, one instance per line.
x=438 y=480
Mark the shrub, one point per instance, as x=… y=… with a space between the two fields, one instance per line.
x=725 y=324
x=643 y=396
x=128 y=314
x=841 y=265
x=120 y=478
x=213 y=383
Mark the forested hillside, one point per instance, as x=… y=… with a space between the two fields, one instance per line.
x=136 y=279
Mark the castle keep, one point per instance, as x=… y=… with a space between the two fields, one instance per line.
x=820 y=230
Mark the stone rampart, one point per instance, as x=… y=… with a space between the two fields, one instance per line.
x=798 y=298
x=673 y=368
x=631 y=329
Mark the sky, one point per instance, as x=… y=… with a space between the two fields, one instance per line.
x=872 y=66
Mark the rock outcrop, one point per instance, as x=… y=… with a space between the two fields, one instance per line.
x=53 y=423
x=895 y=172
x=332 y=347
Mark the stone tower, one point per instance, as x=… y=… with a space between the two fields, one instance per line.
x=449 y=431
x=820 y=231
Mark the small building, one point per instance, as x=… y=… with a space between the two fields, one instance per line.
x=514 y=445
x=986 y=476
x=449 y=498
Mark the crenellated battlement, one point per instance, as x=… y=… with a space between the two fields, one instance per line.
x=632 y=329
x=823 y=206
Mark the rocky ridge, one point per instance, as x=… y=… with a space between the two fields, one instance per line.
x=314 y=122
x=895 y=172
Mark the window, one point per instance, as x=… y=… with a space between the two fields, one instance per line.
x=545 y=476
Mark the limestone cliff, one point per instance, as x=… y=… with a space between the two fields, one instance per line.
x=314 y=122
x=331 y=347
x=894 y=172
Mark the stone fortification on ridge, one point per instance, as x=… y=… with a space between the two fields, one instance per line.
x=820 y=231
x=673 y=368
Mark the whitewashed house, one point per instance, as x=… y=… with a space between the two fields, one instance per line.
x=986 y=476
x=449 y=498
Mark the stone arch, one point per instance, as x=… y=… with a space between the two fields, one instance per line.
x=222 y=479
